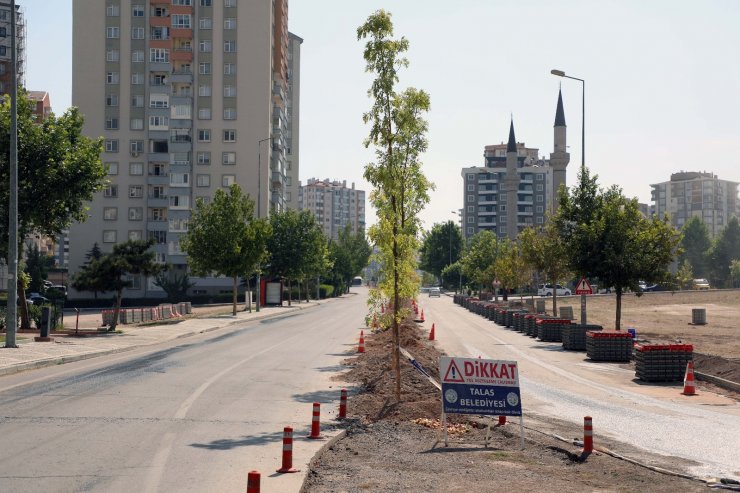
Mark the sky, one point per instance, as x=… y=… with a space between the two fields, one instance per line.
x=662 y=90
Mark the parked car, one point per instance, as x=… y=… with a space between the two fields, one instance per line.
x=701 y=284
x=57 y=288
x=37 y=299
x=547 y=290
x=435 y=292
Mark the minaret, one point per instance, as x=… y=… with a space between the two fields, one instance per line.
x=511 y=184
x=560 y=158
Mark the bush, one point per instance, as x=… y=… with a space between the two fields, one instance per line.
x=326 y=291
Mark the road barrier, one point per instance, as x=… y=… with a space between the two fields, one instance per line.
x=361 y=346
x=253 y=482
x=431 y=333
x=287 y=451
x=149 y=314
x=316 y=422
x=588 y=435
x=343 y=405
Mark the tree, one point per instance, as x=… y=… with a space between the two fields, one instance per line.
x=95 y=253
x=400 y=189
x=37 y=267
x=112 y=271
x=175 y=285
x=480 y=258
x=349 y=254
x=685 y=275
x=547 y=253
x=696 y=246
x=726 y=248
x=735 y=273
x=452 y=276
x=441 y=247
x=510 y=267
x=224 y=237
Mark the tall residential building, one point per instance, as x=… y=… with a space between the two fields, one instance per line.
x=334 y=205
x=190 y=97
x=6 y=68
x=292 y=184
x=700 y=194
x=515 y=188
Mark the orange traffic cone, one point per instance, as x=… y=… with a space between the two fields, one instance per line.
x=688 y=381
x=422 y=315
x=362 y=333
x=431 y=334
x=361 y=347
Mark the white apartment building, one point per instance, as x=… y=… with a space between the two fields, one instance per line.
x=700 y=194
x=334 y=205
x=190 y=96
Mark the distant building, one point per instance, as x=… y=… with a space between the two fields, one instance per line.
x=42 y=109
x=6 y=68
x=334 y=205
x=515 y=188
x=700 y=194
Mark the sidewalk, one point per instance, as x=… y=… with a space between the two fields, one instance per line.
x=64 y=349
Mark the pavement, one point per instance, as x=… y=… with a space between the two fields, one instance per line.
x=61 y=349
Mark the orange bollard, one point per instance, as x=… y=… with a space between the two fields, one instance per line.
x=343 y=405
x=422 y=314
x=253 y=482
x=431 y=333
x=588 y=435
x=689 y=386
x=361 y=347
x=287 y=451
x=501 y=420
x=315 y=422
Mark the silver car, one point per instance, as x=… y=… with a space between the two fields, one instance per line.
x=434 y=292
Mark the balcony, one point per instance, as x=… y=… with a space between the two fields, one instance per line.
x=277 y=179
x=181 y=55
x=161 y=179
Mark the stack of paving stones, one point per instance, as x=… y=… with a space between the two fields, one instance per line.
x=574 y=336
x=532 y=326
x=520 y=320
x=509 y=320
x=499 y=315
x=662 y=362
x=550 y=330
x=609 y=345
x=529 y=321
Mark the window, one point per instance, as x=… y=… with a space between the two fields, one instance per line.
x=111 y=123
x=471 y=176
x=181 y=21
x=134 y=234
x=137 y=33
x=180 y=201
x=159 y=32
x=229 y=91
x=229 y=69
x=204 y=90
x=110 y=213
x=206 y=23
x=112 y=32
x=137 y=78
x=204 y=68
x=112 y=55
x=471 y=219
x=204 y=135
x=158 y=101
x=229 y=3
x=158 y=214
x=228 y=158
x=135 y=213
x=229 y=23
x=203 y=180
x=204 y=158
x=471 y=198
x=540 y=187
x=112 y=78
x=135 y=191
x=205 y=46
x=110 y=191
x=111 y=145
x=137 y=101
x=179 y=179
x=159 y=122
x=204 y=113
x=229 y=113
x=159 y=237
x=159 y=55
x=502 y=207
x=228 y=180
x=136 y=169
x=136 y=147
x=109 y=236
x=205 y=3
x=471 y=187
x=112 y=168
x=540 y=220
x=137 y=56
x=229 y=46
x=187 y=3
x=137 y=11
x=229 y=135
x=137 y=124
x=540 y=198
x=112 y=11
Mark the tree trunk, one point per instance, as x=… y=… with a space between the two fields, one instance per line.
x=290 y=292
x=233 y=297
x=619 y=309
x=555 y=302
x=307 y=291
x=23 y=306
x=116 y=311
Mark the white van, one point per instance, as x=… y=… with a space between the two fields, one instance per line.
x=546 y=290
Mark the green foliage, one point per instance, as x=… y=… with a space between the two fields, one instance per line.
x=441 y=247
x=685 y=275
x=175 y=285
x=348 y=256
x=545 y=251
x=735 y=273
x=480 y=258
x=696 y=245
x=224 y=237
x=511 y=267
x=37 y=267
x=452 y=276
x=726 y=248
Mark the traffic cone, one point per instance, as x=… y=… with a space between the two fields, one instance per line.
x=431 y=333
x=361 y=347
x=688 y=381
x=253 y=482
x=422 y=314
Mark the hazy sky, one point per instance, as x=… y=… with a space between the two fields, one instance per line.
x=662 y=83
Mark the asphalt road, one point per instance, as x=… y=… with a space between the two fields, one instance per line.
x=193 y=415
x=565 y=385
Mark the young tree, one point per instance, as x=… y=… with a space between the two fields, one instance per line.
x=685 y=275
x=224 y=237
x=510 y=267
x=349 y=254
x=37 y=267
x=547 y=253
x=400 y=189
x=452 y=276
x=696 y=246
x=175 y=285
x=112 y=271
x=479 y=260
x=726 y=248
x=441 y=247
x=735 y=273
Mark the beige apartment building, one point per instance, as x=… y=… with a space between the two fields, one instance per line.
x=334 y=205
x=190 y=96
x=6 y=67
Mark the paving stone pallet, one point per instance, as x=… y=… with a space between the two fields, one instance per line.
x=662 y=362
x=509 y=321
x=612 y=345
x=574 y=336
x=550 y=330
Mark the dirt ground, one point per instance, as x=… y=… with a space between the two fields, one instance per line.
x=392 y=447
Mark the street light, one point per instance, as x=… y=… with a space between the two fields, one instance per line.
x=459 y=267
x=560 y=73
x=259 y=209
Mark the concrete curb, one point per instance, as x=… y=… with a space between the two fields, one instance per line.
x=60 y=360
x=727 y=384
x=318 y=453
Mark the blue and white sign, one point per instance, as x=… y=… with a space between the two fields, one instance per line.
x=480 y=386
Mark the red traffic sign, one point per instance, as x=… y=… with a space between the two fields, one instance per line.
x=584 y=287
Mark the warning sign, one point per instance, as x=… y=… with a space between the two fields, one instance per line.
x=584 y=287
x=480 y=386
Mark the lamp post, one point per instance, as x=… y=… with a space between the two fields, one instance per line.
x=259 y=210
x=459 y=267
x=11 y=316
x=560 y=73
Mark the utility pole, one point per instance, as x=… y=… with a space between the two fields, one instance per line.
x=12 y=314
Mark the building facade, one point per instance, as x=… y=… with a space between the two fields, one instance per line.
x=6 y=67
x=334 y=205
x=700 y=194
x=190 y=96
x=515 y=188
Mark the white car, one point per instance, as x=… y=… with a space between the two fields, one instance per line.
x=434 y=292
x=547 y=290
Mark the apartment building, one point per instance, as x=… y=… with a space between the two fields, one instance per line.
x=190 y=97
x=6 y=67
x=515 y=188
x=334 y=205
x=700 y=194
